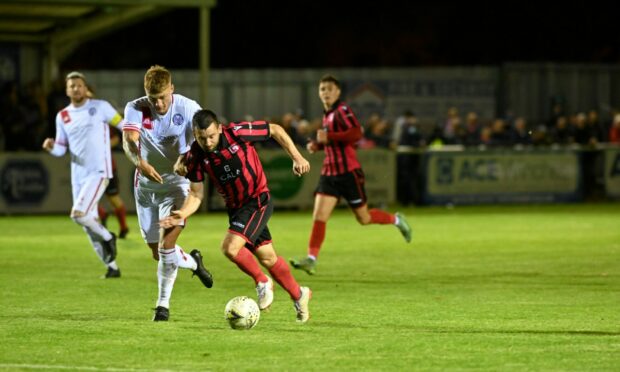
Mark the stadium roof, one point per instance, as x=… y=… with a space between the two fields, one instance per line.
x=62 y=25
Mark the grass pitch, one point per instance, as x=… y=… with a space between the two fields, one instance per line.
x=485 y=288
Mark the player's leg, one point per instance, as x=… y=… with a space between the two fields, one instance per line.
x=281 y=273
x=103 y=215
x=324 y=205
x=354 y=191
x=147 y=209
x=121 y=214
x=112 y=192
x=84 y=213
x=174 y=198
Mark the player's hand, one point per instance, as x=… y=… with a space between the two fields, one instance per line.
x=149 y=172
x=180 y=167
x=175 y=218
x=48 y=144
x=312 y=146
x=300 y=166
x=321 y=136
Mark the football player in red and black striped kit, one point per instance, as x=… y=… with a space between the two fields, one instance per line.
x=341 y=175
x=226 y=153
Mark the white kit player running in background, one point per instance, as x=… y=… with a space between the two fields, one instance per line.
x=82 y=128
x=157 y=132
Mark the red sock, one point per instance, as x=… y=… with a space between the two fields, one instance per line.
x=102 y=213
x=282 y=274
x=120 y=213
x=381 y=217
x=316 y=238
x=246 y=262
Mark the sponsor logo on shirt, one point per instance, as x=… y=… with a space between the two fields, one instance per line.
x=233 y=149
x=64 y=114
x=177 y=119
x=238 y=224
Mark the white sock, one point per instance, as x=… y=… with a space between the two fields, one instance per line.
x=112 y=265
x=92 y=224
x=166 y=274
x=184 y=260
x=313 y=258
x=95 y=241
x=396 y=219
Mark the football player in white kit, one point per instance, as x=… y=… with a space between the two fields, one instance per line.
x=83 y=128
x=157 y=131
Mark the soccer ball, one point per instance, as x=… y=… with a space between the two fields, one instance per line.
x=242 y=313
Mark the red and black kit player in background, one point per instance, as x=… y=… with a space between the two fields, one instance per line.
x=341 y=175
x=112 y=193
x=227 y=155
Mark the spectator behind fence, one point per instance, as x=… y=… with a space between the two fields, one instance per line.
x=470 y=135
x=562 y=133
x=410 y=134
x=614 y=130
x=521 y=135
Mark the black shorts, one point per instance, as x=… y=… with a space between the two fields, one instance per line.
x=349 y=186
x=112 y=188
x=250 y=221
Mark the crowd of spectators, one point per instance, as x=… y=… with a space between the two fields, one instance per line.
x=578 y=129
x=27 y=116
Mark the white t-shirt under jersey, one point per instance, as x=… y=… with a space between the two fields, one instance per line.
x=162 y=137
x=85 y=132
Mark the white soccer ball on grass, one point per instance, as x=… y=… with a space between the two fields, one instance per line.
x=242 y=313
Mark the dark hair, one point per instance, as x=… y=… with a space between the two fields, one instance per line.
x=203 y=119
x=330 y=79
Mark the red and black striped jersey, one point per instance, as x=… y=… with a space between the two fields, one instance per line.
x=234 y=167
x=343 y=131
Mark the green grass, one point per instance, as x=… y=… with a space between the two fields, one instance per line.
x=485 y=288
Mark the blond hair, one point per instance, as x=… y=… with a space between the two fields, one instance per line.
x=157 y=79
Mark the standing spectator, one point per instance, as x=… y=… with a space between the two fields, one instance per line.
x=521 y=135
x=614 y=130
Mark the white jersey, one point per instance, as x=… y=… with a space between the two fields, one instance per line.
x=85 y=132
x=162 y=137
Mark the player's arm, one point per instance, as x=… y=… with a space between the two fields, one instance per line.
x=131 y=146
x=58 y=146
x=300 y=164
x=350 y=135
x=190 y=206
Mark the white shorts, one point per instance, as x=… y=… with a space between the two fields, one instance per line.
x=87 y=192
x=154 y=205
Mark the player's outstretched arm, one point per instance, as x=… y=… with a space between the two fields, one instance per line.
x=300 y=164
x=131 y=140
x=190 y=206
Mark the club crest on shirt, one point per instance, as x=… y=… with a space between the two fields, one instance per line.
x=92 y=111
x=177 y=119
x=64 y=115
x=237 y=127
x=147 y=123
